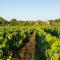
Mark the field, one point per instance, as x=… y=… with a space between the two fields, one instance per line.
x=40 y=41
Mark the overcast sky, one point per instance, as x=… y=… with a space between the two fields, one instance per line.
x=30 y=9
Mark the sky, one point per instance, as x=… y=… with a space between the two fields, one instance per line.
x=30 y=9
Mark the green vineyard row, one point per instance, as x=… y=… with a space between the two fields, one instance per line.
x=15 y=39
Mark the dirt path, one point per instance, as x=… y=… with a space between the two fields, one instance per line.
x=28 y=50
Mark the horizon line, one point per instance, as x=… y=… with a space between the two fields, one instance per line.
x=29 y=19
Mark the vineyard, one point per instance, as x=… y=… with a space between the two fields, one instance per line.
x=30 y=42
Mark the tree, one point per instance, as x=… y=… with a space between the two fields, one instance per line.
x=3 y=22
x=13 y=22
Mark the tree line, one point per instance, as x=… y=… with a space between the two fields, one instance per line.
x=14 y=22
